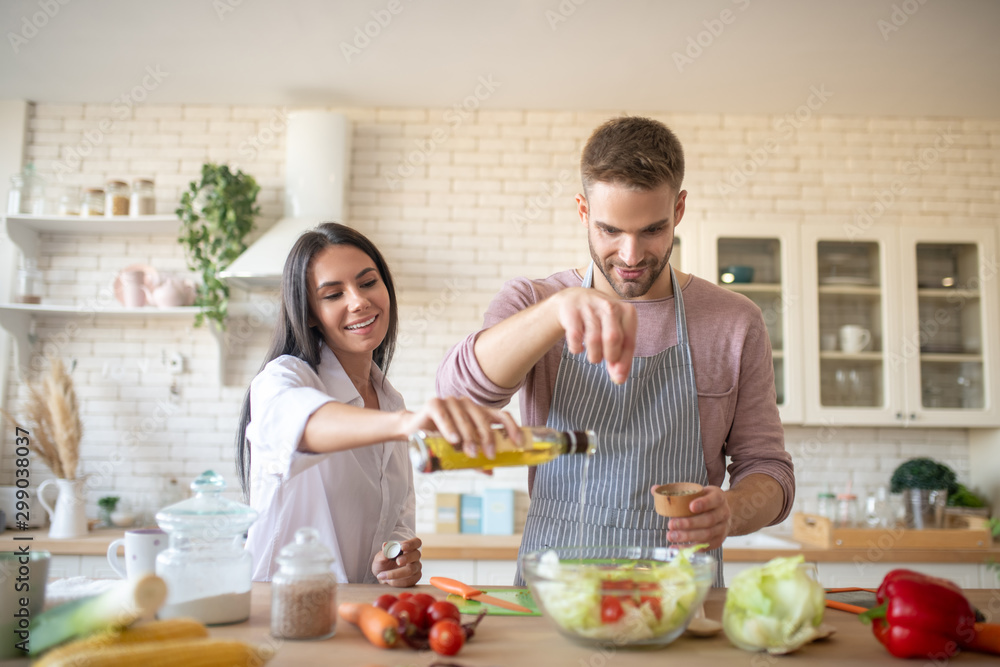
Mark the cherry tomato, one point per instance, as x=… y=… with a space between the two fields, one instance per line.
x=654 y=605
x=405 y=596
x=447 y=637
x=422 y=601
x=441 y=610
x=405 y=611
x=384 y=601
x=611 y=609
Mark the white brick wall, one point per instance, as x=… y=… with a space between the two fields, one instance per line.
x=457 y=209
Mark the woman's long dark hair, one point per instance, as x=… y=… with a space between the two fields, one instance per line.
x=292 y=333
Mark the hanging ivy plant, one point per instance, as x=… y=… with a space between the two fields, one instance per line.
x=217 y=213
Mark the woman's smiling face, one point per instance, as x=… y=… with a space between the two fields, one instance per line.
x=348 y=301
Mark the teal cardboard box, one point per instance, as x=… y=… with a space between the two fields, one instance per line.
x=472 y=514
x=498 y=512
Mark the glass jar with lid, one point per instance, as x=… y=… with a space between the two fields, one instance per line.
x=116 y=196
x=143 y=201
x=848 y=511
x=93 y=202
x=827 y=505
x=29 y=282
x=207 y=570
x=304 y=590
x=27 y=193
x=69 y=201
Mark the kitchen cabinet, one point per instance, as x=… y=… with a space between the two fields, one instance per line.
x=884 y=326
x=771 y=253
x=19 y=319
x=894 y=323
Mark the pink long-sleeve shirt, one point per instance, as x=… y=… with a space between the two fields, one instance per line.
x=730 y=350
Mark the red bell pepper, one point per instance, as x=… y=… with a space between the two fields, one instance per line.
x=920 y=616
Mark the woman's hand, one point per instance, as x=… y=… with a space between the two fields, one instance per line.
x=402 y=571
x=464 y=423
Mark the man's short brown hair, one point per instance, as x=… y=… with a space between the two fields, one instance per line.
x=639 y=153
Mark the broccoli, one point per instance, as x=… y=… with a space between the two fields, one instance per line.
x=923 y=473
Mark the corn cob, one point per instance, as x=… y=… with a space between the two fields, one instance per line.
x=174 y=628
x=172 y=653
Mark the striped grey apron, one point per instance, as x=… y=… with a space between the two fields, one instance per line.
x=648 y=432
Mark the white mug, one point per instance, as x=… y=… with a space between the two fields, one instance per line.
x=141 y=548
x=854 y=338
x=828 y=342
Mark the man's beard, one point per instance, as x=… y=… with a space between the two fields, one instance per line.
x=630 y=289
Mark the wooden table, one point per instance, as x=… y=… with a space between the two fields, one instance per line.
x=530 y=641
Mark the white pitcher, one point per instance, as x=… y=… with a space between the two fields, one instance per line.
x=68 y=519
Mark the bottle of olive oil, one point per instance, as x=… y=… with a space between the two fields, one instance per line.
x=430 y=451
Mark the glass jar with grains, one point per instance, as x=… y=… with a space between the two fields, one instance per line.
x=116 y=198
x=143 y=200
x=304 y=590
x=93 y=202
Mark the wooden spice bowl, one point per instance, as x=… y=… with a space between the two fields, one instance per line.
x=675 y=499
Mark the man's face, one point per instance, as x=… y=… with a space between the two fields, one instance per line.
x=631 y=234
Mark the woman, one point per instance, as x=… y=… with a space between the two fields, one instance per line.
x=322 y=433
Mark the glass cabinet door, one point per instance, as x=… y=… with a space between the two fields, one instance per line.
x=950 y=316
x=762 y=268
x=951 y=354
x=851 y=340
x=849 y=329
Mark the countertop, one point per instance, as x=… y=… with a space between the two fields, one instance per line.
x=439 y=546
x=509 y=640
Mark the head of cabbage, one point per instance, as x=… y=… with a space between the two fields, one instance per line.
x=775 y=607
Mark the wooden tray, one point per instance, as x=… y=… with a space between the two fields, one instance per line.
x=818 y=531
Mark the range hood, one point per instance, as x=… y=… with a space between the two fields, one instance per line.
x=317 y=162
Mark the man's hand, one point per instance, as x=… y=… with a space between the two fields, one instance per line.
x=709 y=525
x=605 y=327
x=404 y=570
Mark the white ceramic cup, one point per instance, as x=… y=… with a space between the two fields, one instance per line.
x=141 y=548
x=828 y=342
x=854 y=338
x=134 y=289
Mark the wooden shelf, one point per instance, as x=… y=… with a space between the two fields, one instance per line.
x=870 y=357
x=23 y=230
x=946 y=293
x=849 y=290
x=753 y=288
x=944 y=358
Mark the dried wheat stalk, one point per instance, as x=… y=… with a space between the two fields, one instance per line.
x=65 y=417
x=54 y=416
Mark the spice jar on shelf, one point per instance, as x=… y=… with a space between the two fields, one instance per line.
x=116 y=197
x=93 y=202
x=29 y=283
x=304 y=589
x=827 y=505
x=848 y=515
x=143 y=201
x=69 y=201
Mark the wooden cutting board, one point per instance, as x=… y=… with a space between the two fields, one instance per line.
x=519 y=596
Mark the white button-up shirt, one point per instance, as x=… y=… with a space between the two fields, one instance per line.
x=357 y=499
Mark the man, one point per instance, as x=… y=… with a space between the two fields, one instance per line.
x=686 y=380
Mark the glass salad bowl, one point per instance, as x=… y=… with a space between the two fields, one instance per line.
x=626 y=596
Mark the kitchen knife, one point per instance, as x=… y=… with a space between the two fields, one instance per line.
x=469 y=593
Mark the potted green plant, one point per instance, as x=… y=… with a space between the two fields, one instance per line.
x=217 y=212
x=925 y=485
x=107 y=504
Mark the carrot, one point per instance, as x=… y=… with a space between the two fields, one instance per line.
x=377 y=625
x=987 y=639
